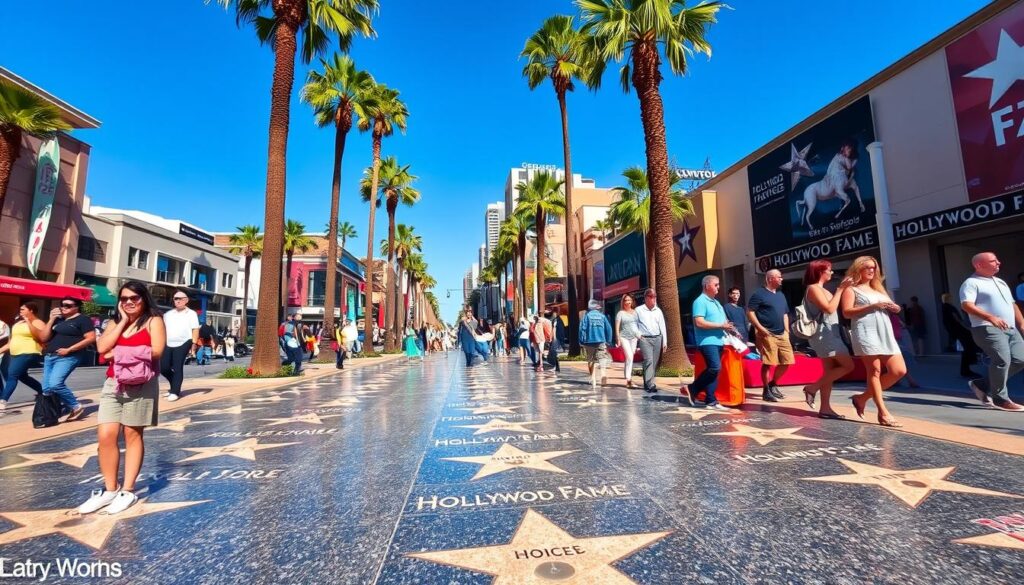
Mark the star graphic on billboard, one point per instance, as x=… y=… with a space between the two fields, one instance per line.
x=1005 y=70
x=685 y=241
x=797 y=164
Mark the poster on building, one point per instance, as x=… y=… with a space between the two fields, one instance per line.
x=986 y=75
x=47 y=169
x=816 y=186
x=625 y=265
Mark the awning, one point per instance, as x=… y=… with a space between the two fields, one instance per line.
x=102 y=296
x=42 y=289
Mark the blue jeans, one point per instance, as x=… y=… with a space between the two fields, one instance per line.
x=56 y=370
x=203 y=356
x=708 y=379
x=17 y=370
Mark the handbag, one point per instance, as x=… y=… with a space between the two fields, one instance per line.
x=46 y=412
x=803 y=326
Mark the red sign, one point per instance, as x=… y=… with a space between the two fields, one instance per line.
x=986 y=72
x=42 y=289
x=622 y=287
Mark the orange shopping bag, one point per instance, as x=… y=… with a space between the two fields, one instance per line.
x=730 y=391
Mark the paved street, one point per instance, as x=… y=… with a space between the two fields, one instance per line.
x=431 y=473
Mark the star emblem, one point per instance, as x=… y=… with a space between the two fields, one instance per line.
x=699 y=413
x=309 y=418
x=685 y=241
x=75 y=458
x=911 y=486
x=347 y=401
x=508 y=457
x=1005 y=70
x=797 y=164
x=584 y=560
x=492 y=409
x=765 y=436
x=179 y=425
x=92 y=530
x=243 y=450
x=236 y=409
x=277 y=398
x=1010 y=532
x=575 y=393
x=499 y=424
x=592 y=402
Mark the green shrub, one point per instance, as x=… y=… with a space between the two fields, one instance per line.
x=238 y=372
x=370 y=354
x=573 y=358
x=235 y=372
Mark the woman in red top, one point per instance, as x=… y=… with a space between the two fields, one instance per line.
x=137 y=324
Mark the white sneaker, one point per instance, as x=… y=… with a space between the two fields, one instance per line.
x=166 y=394
x=172 y=397
x=121 y=502
x=98 y=499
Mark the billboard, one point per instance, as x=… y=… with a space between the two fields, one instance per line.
x=986 y=67
x=816 y=186
x=625 y=265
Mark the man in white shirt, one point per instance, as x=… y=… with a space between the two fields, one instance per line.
x=653 y=337
x=182 y=324
x=996 y=325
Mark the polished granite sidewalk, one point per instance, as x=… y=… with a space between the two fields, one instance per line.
x=431 y=473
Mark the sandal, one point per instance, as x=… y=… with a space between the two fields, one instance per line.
x=859 y=409
x=889 y=422
x=809 y=397
x=831 y=416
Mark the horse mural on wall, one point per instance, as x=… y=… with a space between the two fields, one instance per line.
x=839 y=177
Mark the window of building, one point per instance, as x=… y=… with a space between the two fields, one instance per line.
x=92 y=249
x=170 y=270
x=227 y=280
x=138 y=258
x=202 y=277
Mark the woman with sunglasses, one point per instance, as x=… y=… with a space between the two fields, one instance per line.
x=67 y=334
x=132 y=408
x=25 y=350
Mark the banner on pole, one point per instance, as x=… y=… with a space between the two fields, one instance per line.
x=47 y=167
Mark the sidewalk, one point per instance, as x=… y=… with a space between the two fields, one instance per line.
x=16 y=423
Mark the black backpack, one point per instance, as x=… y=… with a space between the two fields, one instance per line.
x=46 y=412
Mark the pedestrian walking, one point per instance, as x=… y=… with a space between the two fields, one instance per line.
x=25 y=350
x=768 y=312
x=411 y=343
x=996 y=326
x=627 y=334
x=653 y=337
x=67 y=334
x=555 y=330
x=711 y=326
x=182 y=326
x=867 y=304
x=206 y=338
x=5 y=337
x=735 y=312
x=129 y=401
x=960 y=334
x=229 y=347
x=538 y=339
x=290 y=333
x=917 y=323
x=822 y=307
x=467 y=338
x=595 y=334
x=523 y=341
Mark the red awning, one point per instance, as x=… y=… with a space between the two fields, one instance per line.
x=42 y=289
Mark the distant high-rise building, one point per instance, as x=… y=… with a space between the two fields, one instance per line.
x=493 y=217
x=481 y=257
x=526 y=173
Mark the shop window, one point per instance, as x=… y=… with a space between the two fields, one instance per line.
x=202 y=277
x=138 y=258
x=227 y=280
x=92 y=249
x=316 y=288
x=170 y=270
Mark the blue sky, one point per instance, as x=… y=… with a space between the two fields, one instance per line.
x=183 y=95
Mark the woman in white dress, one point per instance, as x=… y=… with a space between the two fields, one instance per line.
x=867 y=305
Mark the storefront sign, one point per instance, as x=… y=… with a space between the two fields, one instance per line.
x=985 y=67
x=597 y=285
x=625 y=260
x=696 y=174
x=191 y=232
x=47 y=167
x=816 y=187
x=538 y=167
x=827 y=248
x=966 y=215
x=40 y=289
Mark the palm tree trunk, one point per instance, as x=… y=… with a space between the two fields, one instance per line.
x=522 y=273
x=266 y=357
x=570 y=236
x=400 y=313
x=245 y=297
x=542 y=259
x=391 y=304
x=10 y=148
x=368 y=311
x=286 y=285
x=652 y=266
x=646 y=78
x=340 y=133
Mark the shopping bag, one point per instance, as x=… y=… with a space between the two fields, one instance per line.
x=46 y=412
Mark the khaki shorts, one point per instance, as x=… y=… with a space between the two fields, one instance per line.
x=775 y=350
x=597 y=353
x=136 y=408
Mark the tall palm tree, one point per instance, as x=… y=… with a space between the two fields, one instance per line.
x=426 y=283
x=415 y=269
x=332 y=94
x=602 y=227
x=639 y=27
x=501 y=255
x=247 y=243
x=22 y=112
x=541 y=196
x=632 y=210
x=295 y=240
x=513 y=232
x=346 y=231
x=381 y=114
x=278 y=24
x=395 y=184
x=557 y=51
x=406 y=242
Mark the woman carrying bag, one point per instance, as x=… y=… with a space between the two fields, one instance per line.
x=26 y=351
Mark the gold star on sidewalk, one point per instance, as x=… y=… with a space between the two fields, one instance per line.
x=499 y=424
x=310 y=418
x=765 y=436
x=243 y=450
x=911 y=486
x=276 y=398
x=349 y=401
x=236 y=409
x=699 y=413
x=92 y=530
x=179 y=425
x=75 y=458
x=997 y=539
x=508 y=457
x=490 y=408
x=541 y=552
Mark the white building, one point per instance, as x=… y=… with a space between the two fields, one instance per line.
x=493 y=217
x=525 y=174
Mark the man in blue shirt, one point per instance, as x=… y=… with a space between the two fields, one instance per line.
x=595 y=334
x=769 y=314
x=710 y=328
x=735 y=312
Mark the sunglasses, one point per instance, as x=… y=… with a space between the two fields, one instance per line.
x=131 y=300
x=68 y=305
x=181 y=298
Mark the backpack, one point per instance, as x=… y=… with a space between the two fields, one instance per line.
x=803 y=326
x=46 y=412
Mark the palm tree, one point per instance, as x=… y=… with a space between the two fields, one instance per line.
x=513 y=233
x=603 y=226
x=395 y=184
x=381 y=114
x=632 y=210
x=406 y=242
x=426 y=283
x=295 y=240
x=332 y=94
x=540 y=197
x=557 y=51
x=278 y=23
x=639 y=26
x=247 y=243
x=346 y=231
x=415 y=269
x=22 y=112
x=501 y=255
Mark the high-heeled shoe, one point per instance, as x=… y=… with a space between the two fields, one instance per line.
x=889 y=422
x=859 y=409
x=809 y=397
